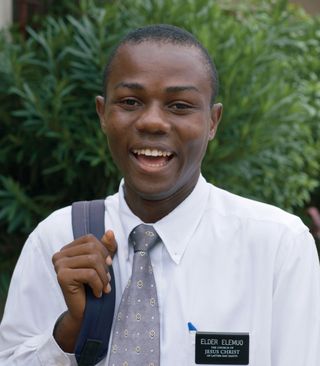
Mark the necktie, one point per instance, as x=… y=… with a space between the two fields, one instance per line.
x=136 y=335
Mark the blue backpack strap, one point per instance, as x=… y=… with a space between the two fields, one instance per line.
x=92 y=343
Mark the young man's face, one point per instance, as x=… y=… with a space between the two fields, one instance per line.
x=157 y=118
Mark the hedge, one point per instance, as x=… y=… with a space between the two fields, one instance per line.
x=52 y=151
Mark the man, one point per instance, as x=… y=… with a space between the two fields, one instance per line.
x=245 y=272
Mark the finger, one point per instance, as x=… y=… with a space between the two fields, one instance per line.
x=84 y=248
x=110 y=243
x=89 y=238
x=90 y=261
x=72 y=280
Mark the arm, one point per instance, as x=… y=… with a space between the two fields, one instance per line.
x=296 y=305
x=34 y=303
x=84 y=261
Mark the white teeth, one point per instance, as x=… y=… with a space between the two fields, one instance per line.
x=151 y=152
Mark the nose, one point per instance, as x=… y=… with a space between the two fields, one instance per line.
x=153 y=120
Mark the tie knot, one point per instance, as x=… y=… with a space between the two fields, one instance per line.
x=143 y=238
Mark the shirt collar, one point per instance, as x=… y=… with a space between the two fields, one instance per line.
x=177 y=227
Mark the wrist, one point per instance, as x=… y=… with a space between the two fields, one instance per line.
x=66 y=331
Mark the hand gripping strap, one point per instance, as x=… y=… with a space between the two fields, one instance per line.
x=92 y=343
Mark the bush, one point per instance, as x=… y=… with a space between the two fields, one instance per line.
x=52 y=151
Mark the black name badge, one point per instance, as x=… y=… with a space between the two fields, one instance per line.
x=222 y=348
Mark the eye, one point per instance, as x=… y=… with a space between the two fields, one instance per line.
x=180 y=107
x=129 y=103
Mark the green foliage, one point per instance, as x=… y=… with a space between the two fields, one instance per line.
x=269 y=138
x=52 y=151
x=4 y=286
x=9 y=250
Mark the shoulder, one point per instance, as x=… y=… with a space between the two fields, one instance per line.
x=253 y=213
x=54 y=231
x=269 y=233
x=57 y=217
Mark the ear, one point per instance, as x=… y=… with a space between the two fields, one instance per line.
x=100 y=110
x=216 y=114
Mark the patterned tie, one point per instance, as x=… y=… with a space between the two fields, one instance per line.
x=136 y=335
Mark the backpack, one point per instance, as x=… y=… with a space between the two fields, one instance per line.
x=93 y=340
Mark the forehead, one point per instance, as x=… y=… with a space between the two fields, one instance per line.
x=154 y=62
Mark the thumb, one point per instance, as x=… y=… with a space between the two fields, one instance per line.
x=109 y=242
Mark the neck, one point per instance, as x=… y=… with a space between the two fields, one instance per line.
x=151 y=211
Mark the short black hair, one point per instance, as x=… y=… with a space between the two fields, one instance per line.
x=165 y=33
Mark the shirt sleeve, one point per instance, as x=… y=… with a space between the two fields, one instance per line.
x=296 y=305
x=33 y=305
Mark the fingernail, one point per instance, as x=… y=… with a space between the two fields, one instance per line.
x=108 y=288
x=109 y=260
x=109 y=276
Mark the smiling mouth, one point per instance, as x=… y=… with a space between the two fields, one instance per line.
x=153 y=158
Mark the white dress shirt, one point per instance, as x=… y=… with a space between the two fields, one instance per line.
x=227 y=264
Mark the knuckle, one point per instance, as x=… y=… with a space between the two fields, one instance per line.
x=91 y=275
x=89 y=237
x=57 y=268
x=59 y=264
x=92 y=259
x=55 y=257
x=92 y=246
x=62 y=276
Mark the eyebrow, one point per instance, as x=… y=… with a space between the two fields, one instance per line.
x=169 y=89
x=175 y=89
x=133 y=86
